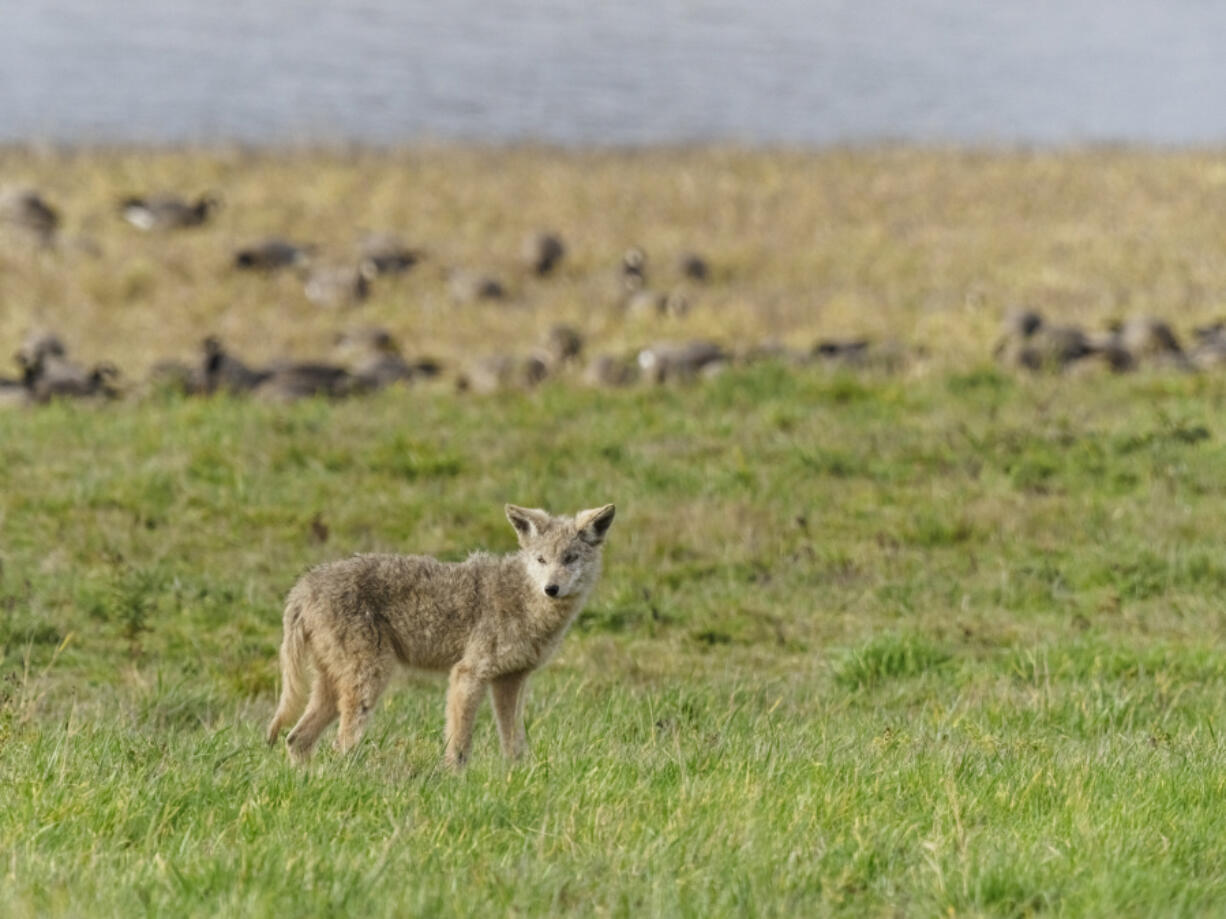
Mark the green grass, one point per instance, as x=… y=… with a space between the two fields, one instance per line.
x=864 y=646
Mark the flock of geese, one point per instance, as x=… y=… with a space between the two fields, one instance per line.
x=368 y=359
x=1029 y=341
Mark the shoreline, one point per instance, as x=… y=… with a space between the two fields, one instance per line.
x=436 y=145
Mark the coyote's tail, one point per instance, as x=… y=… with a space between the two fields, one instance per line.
x=293 y=670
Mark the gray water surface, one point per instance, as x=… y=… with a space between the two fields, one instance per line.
x=805 y=72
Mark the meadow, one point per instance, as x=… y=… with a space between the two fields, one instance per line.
x=947 y=640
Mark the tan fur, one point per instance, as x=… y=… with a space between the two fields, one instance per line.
x=490 y=621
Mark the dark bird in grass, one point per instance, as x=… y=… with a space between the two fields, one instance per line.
x=289 y=382
x=52 y=376
x=541 y=252
x=28 y=211
x=271 y=254
x=1152 y=340
x=39 y=344
x=225 y=372
x=1210 y=348
x=388 y=253
x=847 y=352
x=1028 y=341
x=563 y=343
x=373 y=356
x=693 y=266
x=168 y=212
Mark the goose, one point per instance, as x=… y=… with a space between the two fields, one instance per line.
x=223 y=371
x=289 y=382
x=1210 y=349
x=632 y=270
x=168 y=212
x=340 y=285
x=845 y=352
x=665 y=362
x=1028 y=341
x=542 y=251
x=27 y=210
x=562 y=343
x=693 y=266
x=609 y=370
x=55 y=377
x=469 y=287
x=270 y=254
x=501 y=371
x=1146 y=338
x=39 y=344
x=388 y=253
x=374 y=359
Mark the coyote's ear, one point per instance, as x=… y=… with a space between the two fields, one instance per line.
x=592 y=525
x=528 y=522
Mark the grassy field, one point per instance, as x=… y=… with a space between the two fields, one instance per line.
x=946 y=642
x=928 y=248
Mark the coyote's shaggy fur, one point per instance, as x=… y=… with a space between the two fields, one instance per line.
x=490 y=620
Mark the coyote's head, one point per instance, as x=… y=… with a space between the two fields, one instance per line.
x=562 y=554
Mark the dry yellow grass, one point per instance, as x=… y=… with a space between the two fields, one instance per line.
x=924 y=247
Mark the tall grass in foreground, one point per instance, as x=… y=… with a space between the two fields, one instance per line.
x=863 y=647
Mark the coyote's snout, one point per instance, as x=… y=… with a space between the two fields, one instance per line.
x=490 y=620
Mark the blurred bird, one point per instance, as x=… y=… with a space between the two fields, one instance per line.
x=50 y=375
x=271 y=254
x=1210 y=349
x=388 y=253
x=469 y=287
x=1148 y=339
x=26 y=210
x=693 y=266
x=502 y=371
x=39 y=344
x=645 y=303
x=374 y=359
x=666 y=361
x=168 y=212
x=633 y=270
x=609 y=370
x=292 y=381
x=542 y=251
x=224 y=372
x=850 y=352
x=340 y=285
x=563 y=343
x=1029 y=342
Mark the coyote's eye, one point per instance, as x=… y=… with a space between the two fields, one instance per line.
x=569 y=558
x=541 y=559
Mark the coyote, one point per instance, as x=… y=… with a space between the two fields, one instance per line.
x=491 y=620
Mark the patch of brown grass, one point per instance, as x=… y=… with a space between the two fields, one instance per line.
x=921 y=246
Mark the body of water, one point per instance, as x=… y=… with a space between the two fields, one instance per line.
x=804 y=72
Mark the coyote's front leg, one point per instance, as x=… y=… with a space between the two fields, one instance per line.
x=463 y=699
x=507 y=693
